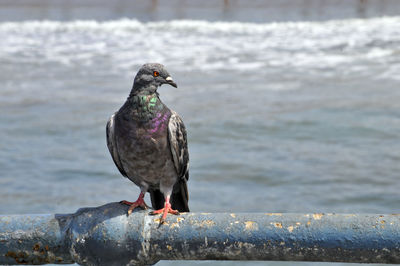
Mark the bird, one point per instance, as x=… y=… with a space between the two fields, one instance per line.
x=148 y=144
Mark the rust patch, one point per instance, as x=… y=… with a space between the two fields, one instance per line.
x=317 y=216
x=233 y=215
x=250 y=225
x=309 y=222
x=274 y=214
x=169 y=247
x=180 y=219
x=20 y=257
x=11 y=254
x=36 y=247
x=277 y=225
x=290 y=228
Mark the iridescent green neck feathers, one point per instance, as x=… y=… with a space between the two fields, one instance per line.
x=146 y=106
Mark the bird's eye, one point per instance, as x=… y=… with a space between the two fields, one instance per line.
x=156 y=74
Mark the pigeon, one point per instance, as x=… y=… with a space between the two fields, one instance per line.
x=148 y=144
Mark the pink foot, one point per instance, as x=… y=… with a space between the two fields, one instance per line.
x=167 y=209
x=138 y=203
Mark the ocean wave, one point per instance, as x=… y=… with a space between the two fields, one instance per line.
x=124 y=24
x=203 y=45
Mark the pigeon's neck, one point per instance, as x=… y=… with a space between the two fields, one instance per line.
x=143 y=89
x=145 y=105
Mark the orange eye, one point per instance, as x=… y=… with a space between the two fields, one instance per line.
x=156 y=74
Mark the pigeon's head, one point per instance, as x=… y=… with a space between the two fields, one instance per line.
x=151 y=76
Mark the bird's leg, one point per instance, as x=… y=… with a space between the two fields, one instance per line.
x=167 y=209
x=138 y=203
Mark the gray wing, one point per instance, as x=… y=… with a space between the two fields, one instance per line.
x=112 y=145
x=178 y=143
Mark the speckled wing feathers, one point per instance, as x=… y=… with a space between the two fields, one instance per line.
x=178 y=143
x=112 y=145
x=180 y=155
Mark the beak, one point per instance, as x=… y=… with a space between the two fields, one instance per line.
x=171 y=82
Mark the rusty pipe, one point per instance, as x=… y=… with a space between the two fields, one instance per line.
x=105 y=235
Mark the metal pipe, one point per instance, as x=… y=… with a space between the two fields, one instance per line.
x=107 y=236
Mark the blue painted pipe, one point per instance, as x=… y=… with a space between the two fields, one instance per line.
x=107 y=236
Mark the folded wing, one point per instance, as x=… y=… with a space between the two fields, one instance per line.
x=180 y=154
x=112 y=145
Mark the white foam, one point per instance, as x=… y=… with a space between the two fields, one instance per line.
x=202 y=45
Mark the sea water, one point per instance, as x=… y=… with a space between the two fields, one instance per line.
x=281 y=116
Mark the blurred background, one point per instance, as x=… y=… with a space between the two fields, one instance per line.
x=290 y=105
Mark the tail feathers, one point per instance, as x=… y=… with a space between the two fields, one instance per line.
x=179 y=198
x=157 y=199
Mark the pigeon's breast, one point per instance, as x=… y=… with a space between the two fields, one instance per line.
x=144 y=148
x=157 y=126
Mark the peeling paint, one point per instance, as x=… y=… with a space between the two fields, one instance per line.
x=206 y=223
x=317 y=216
x=250 y=225
x=174 y=225
x=158 y=220
x=99 y=239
